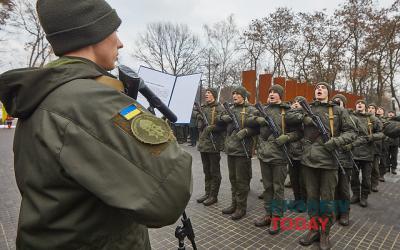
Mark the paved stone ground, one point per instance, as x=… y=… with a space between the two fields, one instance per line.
x=375 y=227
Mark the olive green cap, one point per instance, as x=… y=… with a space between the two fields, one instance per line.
x=361 y=100
x=73 y=24
x=299 y=98
x=214 y=92
x=327 y=85
x=341 y=97
x=241 y=91
x=278 y=89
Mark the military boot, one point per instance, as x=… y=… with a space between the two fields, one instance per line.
x=202 y=198
x=363 y=202
x=263 y=221
x=275 y=228
x=382 y=179
x=230 y=210
x=355 y=199
x=324 y=243
x=344 y=219
x=238 y=214
x=213 y=197
x=210 y=200
x=394 y=171
x=309 y=238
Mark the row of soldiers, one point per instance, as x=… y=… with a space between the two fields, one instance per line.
x=286 y=135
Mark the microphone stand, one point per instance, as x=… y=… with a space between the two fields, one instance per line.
x=186 y=230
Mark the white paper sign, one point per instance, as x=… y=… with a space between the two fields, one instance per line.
x=178 y=93
x=184 y=95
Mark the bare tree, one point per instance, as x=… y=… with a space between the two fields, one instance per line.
x=394 y=50
x=253 y=42
x=169 y=48
x=280 y=30
x=354 y=17
x=25 y=19
x=6 y=7
x=222 y=44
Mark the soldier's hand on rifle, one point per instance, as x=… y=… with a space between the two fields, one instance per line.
x=308 y=121
x=261 y=121
x=226 y=118
x=199 y=117
x=241 y=134
x=209 y=129
x=282 y=139
x=347 y=147
x=330 y=145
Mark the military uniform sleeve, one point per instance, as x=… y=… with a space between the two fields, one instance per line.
x=152 y=181
x=347 y=131
x=294 y=117
x=392 y=129
x=295 y=135
x=377 y=130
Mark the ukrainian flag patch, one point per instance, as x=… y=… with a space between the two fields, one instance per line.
x=130 y=112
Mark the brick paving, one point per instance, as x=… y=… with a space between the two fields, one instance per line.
x=375 y=227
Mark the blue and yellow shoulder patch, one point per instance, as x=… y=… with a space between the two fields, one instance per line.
x=130 y=112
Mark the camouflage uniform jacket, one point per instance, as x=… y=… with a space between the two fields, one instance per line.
x=368 y=132
x=211 y=111
x=87 y=181
x=267 y=149
x=233 y=145
x=392 y=127
x=315 y=154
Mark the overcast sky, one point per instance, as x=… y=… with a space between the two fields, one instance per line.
x=136 y=15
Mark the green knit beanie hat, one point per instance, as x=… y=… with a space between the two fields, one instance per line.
x=278 y=89
x=361 y=100
x=326 y=85
x=73 y=24
x=299 y=98
x=373 y=105
x=341 y=97
x=241 y=91
x=214 y=92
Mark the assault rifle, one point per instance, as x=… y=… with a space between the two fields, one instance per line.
x=235 y=125
x=275 y=132
x=206 y=123
x=322 y=130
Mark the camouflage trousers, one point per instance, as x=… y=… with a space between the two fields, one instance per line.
x=297 y=181
x=342 y=193
x=384 y=161
x=320 y=186
x=273 y=177
x=212 y=172
x=240 y=174
x=365 y=167
x=375 y=172
x=393 y=151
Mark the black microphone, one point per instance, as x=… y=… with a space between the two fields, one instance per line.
x=133 y=83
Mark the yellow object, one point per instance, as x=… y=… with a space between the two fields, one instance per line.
x=3 y=113
x=331 y=117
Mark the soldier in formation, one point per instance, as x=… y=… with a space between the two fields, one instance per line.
x=296 y=150
x=342 y=194
x=210 y=145
x=393 y=148
x=273 y=162
x=319 y=167
x=238 y=147
x=364 y=148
